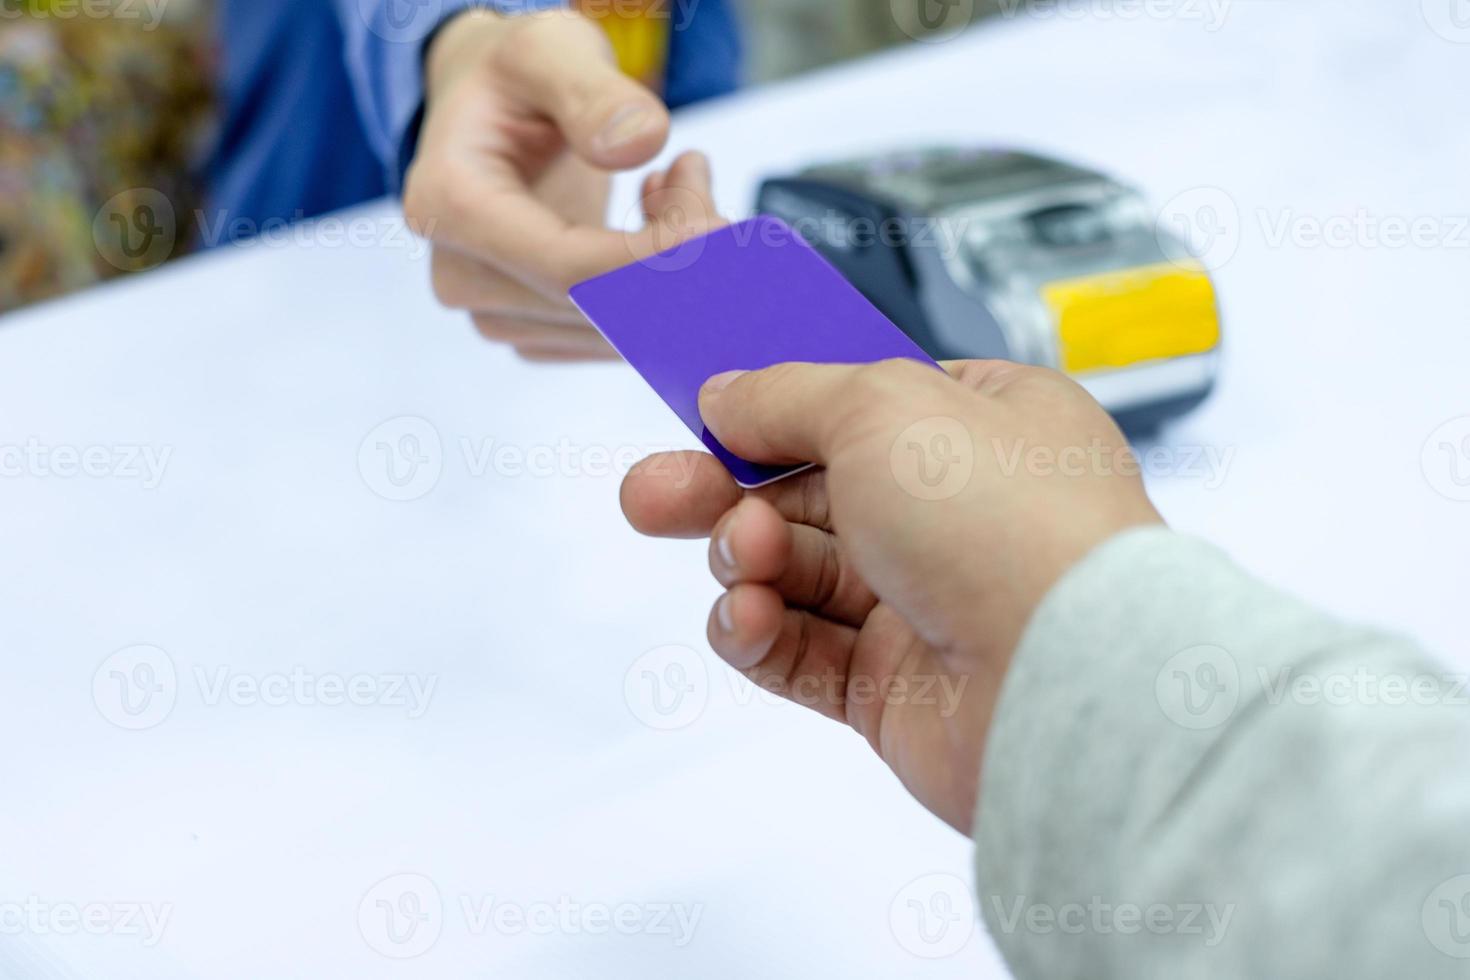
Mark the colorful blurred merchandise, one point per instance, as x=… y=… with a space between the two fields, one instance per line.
x=98 y=114
x=105 y=124
x=123 y=123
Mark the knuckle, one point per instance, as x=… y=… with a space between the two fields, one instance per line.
x=800 y=662
x=420 y=194
x=447 y=285
x=456 y=196
x=815 y=504
x=1011 y=372
x=905 y=372
x=882 y=393
x=828 y=574
x=414 y=205
x=993 y=376
x=781 y=376
x=512 y=56
x=536 y=39
x=903 y=382
x=434 y=189
x=499 y=328
x=875 y=385
x=560 y=276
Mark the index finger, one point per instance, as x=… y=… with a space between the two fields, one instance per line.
x=683 y=495
x=489 y=211
x=678 y=495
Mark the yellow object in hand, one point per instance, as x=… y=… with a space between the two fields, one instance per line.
x=639 y=31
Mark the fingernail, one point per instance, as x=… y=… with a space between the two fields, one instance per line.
x=723 y=548
x=625 y=125
x=724 y=615
x=720 y=382
x=700 y=162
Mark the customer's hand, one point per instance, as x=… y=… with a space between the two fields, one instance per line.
x=525 y=117
x=889 y=589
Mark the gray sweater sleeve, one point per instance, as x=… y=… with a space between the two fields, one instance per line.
x=1191 y=774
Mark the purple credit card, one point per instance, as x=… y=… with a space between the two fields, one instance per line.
x=745 y=297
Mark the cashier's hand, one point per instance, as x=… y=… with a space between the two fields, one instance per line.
x=526 y=116
x=889 y=590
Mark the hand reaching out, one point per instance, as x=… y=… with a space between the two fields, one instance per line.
x=526 y=116
x=889 y=589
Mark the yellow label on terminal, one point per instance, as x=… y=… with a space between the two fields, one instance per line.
x=1121 y=318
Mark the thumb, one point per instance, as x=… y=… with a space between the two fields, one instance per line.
x=804 y=413
x=562 y=65
x=782 y=414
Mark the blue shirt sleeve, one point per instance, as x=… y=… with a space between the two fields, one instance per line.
x=385 y=41
x=705 y=53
